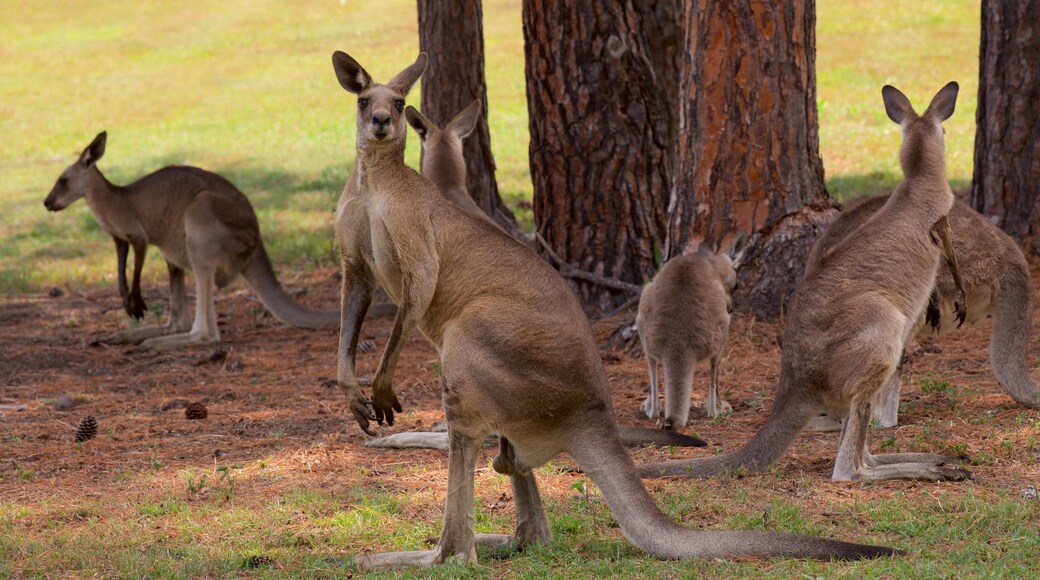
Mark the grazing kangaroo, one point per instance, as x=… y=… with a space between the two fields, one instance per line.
x=519 y=357
x=443 y=162
x=199 y=221
x=996 y=281
x=683 y=319
x=852 y=313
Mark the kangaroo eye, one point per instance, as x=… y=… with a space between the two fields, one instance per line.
x=62 y=181
x=362 y=104
x=399 y=104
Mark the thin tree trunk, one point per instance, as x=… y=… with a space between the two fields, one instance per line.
x=599 y=134
x=747 y=156
x=451 y=32
x=1006 y=184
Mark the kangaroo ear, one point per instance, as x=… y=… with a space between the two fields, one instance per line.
x=352 y=76
x=405 y=80
x=896 y=104
x=704 y=250
x=737 y=248
x=465 y=122
x=944 y=102
x=94 y=151
x=419 y=122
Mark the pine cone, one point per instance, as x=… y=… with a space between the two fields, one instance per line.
x=195 y=410
x=87 y=429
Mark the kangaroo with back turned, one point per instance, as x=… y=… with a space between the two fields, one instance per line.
x=852 y=313
x=518 y=354
x=683 y=319
x=199 y=221
x=996 y=281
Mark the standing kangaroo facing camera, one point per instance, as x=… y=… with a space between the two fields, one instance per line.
x=444 y=164
x=852 y=313
x=199 y=221
x=996 y=282
x=518 y=354
x=683 y=319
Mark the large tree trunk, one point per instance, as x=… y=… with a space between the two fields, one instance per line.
x=662 y=24
x=599 y=134
x=1006 y=184
x=451 y=32
x=747 y=156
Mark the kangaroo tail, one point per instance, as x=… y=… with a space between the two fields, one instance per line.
x=605 y=461
x=678 y=382
x=786 y=421
x=636 y=436
x=1012 y=323
x=260 y=275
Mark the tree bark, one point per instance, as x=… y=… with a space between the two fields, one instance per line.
x=451 y=32
x=747 y=156
x=599 y=136
x=1006 y=184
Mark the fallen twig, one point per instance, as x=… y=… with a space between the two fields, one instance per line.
x=570 y=271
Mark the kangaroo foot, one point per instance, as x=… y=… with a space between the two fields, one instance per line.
x=396 y=559
x=916 y=471
x=651 y=406
x=465 y=554
x=176 y=340
x=933 y=458
x=719 y=409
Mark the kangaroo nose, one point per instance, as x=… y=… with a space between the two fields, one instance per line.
x=381 y=120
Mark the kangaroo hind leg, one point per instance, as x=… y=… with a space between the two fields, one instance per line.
x=457 y=539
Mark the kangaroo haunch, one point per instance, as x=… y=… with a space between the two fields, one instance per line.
x=996 y=282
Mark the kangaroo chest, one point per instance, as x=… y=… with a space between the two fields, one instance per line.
x=384 y=261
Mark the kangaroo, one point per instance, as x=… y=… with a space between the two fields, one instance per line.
x=683 y=319
x=997 y=283
x=443 y=162
x=852 y=313
x=518 y=354
x=198 y=220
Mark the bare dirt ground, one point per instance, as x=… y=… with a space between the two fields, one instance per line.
x=272 y=408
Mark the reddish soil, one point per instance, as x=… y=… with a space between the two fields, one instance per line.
x=268 y=396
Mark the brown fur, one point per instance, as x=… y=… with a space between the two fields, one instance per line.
x=199 y=221
x=443 y=162
x=519 y=357
x=683 y=319
x=852 y=313
x=996 y=281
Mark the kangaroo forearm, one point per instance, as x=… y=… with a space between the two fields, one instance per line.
x=356 y=298
x=140 y=249
x=945 y=233
x=403 y=325
x=122 y=249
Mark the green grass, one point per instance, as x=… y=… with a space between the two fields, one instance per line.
x=306 y=533
x=246 y=89
x=861 y=46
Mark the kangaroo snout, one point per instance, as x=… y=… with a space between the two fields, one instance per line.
x=381 y=122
